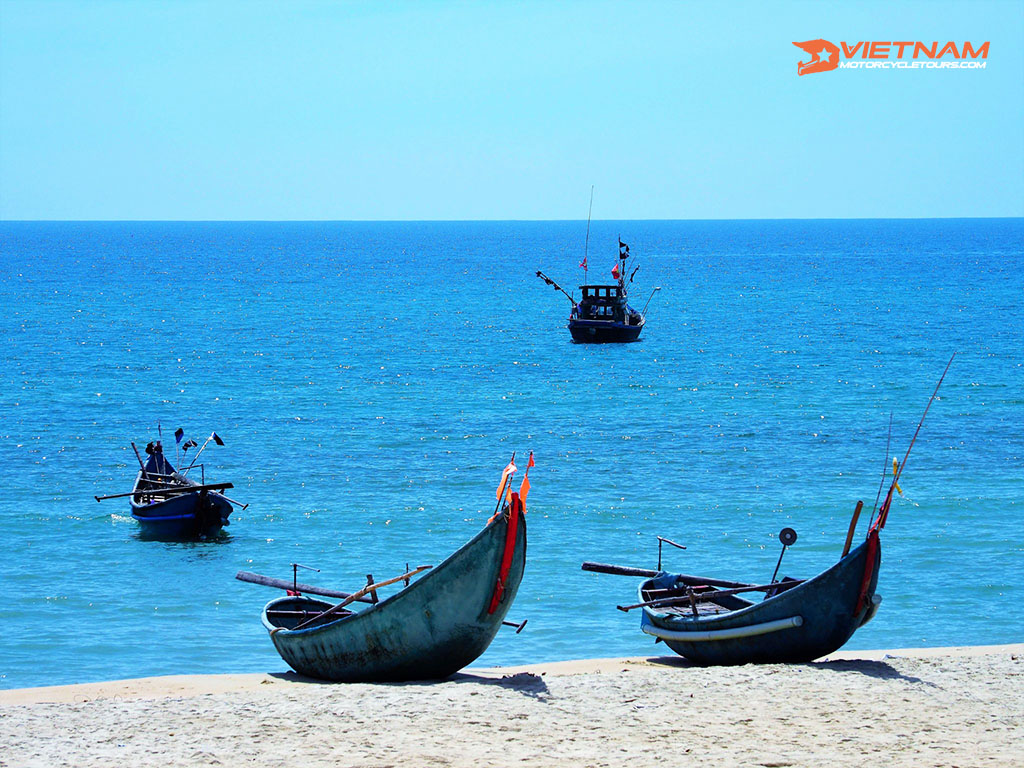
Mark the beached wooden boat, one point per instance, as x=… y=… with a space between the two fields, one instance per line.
x=429 y=630
x=709 y=621
x=796 y=621
x=713 y=621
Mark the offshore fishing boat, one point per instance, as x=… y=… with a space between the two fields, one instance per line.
x=430 y=629
x=603 y=313
x=712 y=621
x=168 y=504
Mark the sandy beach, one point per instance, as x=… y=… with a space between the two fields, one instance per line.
x=919 y=707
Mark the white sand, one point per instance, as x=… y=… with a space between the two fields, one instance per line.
x=924 y=707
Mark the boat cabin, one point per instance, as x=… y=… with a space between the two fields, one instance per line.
x=603 y=302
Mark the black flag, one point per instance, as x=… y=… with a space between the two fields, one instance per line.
x=190 y=443
x=623 y=250
x=217 y=440
x=178 y=434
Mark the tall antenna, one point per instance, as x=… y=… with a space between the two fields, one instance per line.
x=586 y=245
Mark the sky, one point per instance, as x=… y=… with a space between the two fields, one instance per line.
x=501 y=111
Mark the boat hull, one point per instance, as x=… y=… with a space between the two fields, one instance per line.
x=428 y=631
x=187 y=516
x=603 y=332
x=801 y=624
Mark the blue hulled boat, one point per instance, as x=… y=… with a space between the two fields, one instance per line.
x=797 y=620
x=169 y=505
x=712 y=621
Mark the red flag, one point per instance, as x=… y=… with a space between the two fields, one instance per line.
x=584 y=262
x=615 y=271
x=524 y=487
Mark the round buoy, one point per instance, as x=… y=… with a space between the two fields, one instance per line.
x=787 y=536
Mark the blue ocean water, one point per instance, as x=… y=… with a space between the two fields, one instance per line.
x=370 y=381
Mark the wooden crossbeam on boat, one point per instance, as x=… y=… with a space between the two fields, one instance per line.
x=308 y=589
x=691 y=595
x=361 y=593
x=184 y=489
x=625 y=570
x=168 y=490
x=302 y=614
x=618 y=570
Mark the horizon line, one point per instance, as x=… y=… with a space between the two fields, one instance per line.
x=491 y=221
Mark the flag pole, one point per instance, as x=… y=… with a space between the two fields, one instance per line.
x=504 y=485
x=586 y=244
x=206 y=443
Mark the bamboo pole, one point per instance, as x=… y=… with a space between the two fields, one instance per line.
x=883 y=512
x=361 y=593
x=177 y=489
x=269 y=581
x=698 y=597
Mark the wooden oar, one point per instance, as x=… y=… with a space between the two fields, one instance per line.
x=142 y=466
x=699 y=597
x=295 y=586
x=170 y=490
x=122 y=495
x=185 y=489
x=361 y=593
x=625 y=570
x=853 y=527
x=238 y=504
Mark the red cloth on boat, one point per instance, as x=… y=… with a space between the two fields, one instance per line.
x=515 y=509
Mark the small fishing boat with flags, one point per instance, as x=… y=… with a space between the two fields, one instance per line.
x=715 y=621
x=603 y=314
x=167 y=503
x=433 y=627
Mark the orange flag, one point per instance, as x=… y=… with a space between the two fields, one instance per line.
x=524 y=488
x=509 y=471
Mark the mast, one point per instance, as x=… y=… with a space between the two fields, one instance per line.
x=586 y=244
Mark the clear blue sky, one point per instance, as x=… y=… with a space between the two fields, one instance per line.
x=500 y=110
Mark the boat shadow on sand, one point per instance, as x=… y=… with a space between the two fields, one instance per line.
x=526 y=683
x=870 y=668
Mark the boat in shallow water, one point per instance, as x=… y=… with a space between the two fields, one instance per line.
x=170 y=505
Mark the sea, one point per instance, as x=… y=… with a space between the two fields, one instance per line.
x=370 y=381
